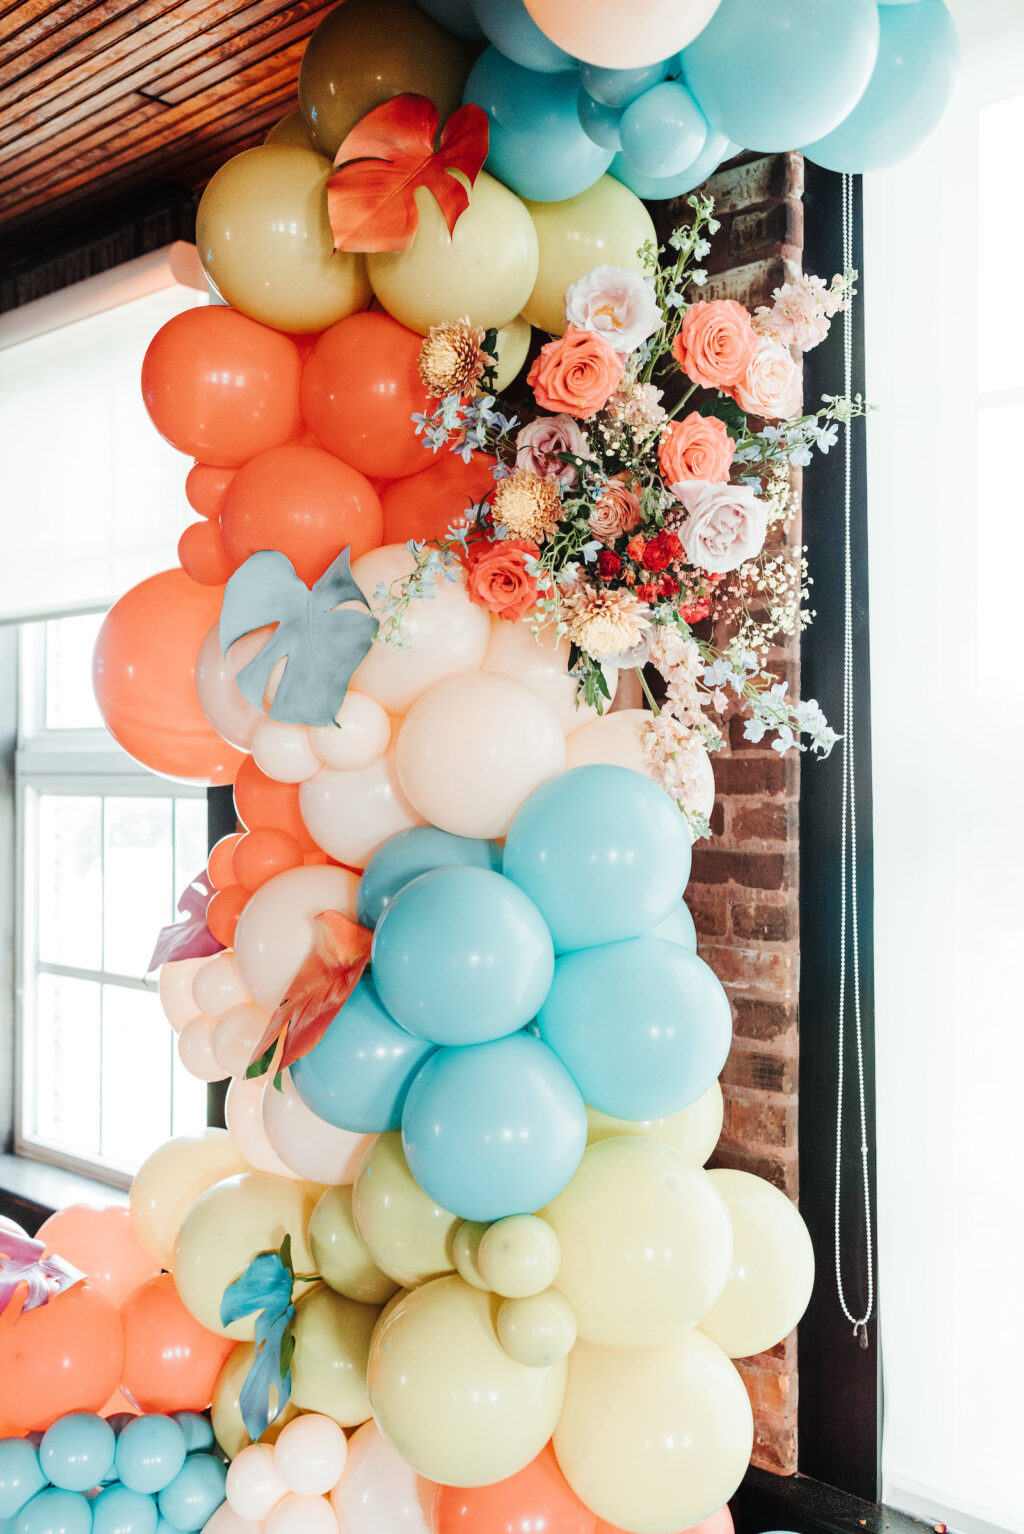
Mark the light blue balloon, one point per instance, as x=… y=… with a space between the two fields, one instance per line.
x=510 y=27
x=20 y=1475
x=121 y=1511
x=718 y=148
x=404 y=857
x=538 y=147
x=195 y=1493
x=163 y=1527
x=198 y=1430
x=357 y=1076
x=618 y=87
x=150 y=1452
x=907 y=97
x=677 y=928
x=456 y=15
x=599 y=122
x=462 y=956
x=57 y=1512
x=602 y=852
x=494 y=1129
x=776 y=76
x=77 y=1451
x=643 y=1026
x=663 y=131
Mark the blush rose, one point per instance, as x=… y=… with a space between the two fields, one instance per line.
x=726 y=524
x=771 y=387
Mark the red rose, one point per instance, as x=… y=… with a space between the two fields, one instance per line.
x=609 y=564
x=696 y=612
x=668 y=586
x=647 y=591
x=498 y=578
x=656 y=555
x=672 y=543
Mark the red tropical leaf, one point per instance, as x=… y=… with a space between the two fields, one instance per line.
x=390 y=153
x=323 y=983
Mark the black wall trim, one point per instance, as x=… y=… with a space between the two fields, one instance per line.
x=220 y=821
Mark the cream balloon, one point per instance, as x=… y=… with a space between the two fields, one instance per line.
x=618 y=740
x=695 y=1130
x=312 y=1148
x=511 y=347
x=379 y=1493
x=484 y=271
x=226 y=1521
x=195 y=1049
x=466 y=1252
x=253 y=1485
x=275 y=930
x=237 y=1035
x=350 y=814
x=646 y=1242
x=310 y=1455
x=220 y=696
x=340 y=1253
x=225 y=1229
x=542 y=662
x=447 y=1394
x=772 y=1272
x=283 y=751
x=473 y=748
x=174 y=986
x=290 y=131
x=171 y=1179
x=301 y=1515
x=654 y=1439
x=243 y=1113
x=604 y=226
x=217 y=986
x=537 y=1330
x=519 y=1256
x=614 y=36
x=332 y=1348
x=226 y=1412
x=441 y=635
x=408 y=1236
x=360 y=735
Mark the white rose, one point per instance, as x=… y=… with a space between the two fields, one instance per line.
x=618 y=305
x=772 y=386
x=726 y=524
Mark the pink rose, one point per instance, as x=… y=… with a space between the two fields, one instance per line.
x=716 y=343
x=697 y=447
x=616 y=511
x=726 y=524
x=618 y=305
x=540 y=442
x=772 y=386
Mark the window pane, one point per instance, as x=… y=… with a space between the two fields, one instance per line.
x=66 y=1062
x=68 y=871
x=70 y=704
x=1000 y=228
x=136 y=1078
x=189 y=1096
x=138 y=881
x=189 y=841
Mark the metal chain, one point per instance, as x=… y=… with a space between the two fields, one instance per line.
x=848 y=845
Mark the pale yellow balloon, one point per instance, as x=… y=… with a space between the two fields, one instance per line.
x=511 y=347
x=465 y=1252
x=519 y=1256
x=603 y=226
x=440 y=635
x=291 y=132
x=265 y=241
x=474 y=748
x=350 y=814
x=332 y=1347
x=484 y=272
x=177 y=978
x=359 y=736
x=226 y=1413
x=229 y=1225
x=541 y=662
x=772 y=1272
x=695 y=1130
x=618 y=740
x=654 y=1439
x=408 y=1236
x=275 y=930
x=171 y=1179
x=646 y=1242
x=537 y=1330
x=448 y=1396
x=340 y=1254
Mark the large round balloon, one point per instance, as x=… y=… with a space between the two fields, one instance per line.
x=605 y=32
x=542 y=662
x=456 y=1407
x=265 y=241
x=171 y=1361
x=171 y=1179
x=644 y=1026
x=656 y=1438
x=332 y=1346
x=408 y=1236
x=99 y=1239
x=427 y=504
x=379 y=1490
x=404 y=857
x=694 y=1130
x=275 y=931
x=308 y=1144
x=217 y=689
x=60 y=1357
x=462 y=956
x=602 y=852
x=221 y=387
x=351 y=814
x=603 y=226
x=538 y=1497
x=144 y=678
x=619 y=740
x=340 y=1254
x=510 y=27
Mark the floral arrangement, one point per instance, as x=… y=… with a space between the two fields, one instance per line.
x=640 y=500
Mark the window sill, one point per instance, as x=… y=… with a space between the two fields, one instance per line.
x=803 y=1506
x=30 y=1191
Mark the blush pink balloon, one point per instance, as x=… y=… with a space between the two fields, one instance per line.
x=313 y=1149
x=253 y=1487
x=220 y=696
x=350 y=814
x=217 y=986
x=243 y=1116
x=236 y=1036
x=310 y=1454
x=275 y=930
x=379 y=1490
x=302 y=1515
x=177 y=978
x=618 y=36
x=195 y=1049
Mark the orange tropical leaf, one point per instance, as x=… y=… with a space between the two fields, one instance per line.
x=322 y=984
x=370 y=197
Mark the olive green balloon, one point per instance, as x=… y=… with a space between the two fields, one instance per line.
x=465 y=1252
x=511 y=347
x=332 y=1348
x=408 y=1236
x=603 y=226
x=291 y=132
x=340 y=1255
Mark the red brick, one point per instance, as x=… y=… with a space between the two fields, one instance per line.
x=754 y=968
x=761 y=1018
x=755 y=1068
x=717 y=818
x=771 y=1395
x=710 y=915
x=754 y=870
x=756 y=774
x=760 y=1122
x=765 y=923
x=775 y=1446
x=763 y=822
x=777 y=1167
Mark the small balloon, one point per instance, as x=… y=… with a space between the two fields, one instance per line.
x=253 y=1487
x=77 y=1452
x=538 y=1329
x=663 y=131
x=341 y=1255
x=150 y=1452
x=310 y=1455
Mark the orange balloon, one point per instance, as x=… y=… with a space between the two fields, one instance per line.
x=144 y=677
x=63 y=1356
x=202 y=555
x=226 y=906
x=99 y=1239
x=718 y=1523
x=205 y=485
x=538 y=1497
x=171 y=1363
x=304 y=503
x=426 y=505
x=360 y=387
x=260 y=801
x=118 y=1402
x=263 y=853
x=221 y=865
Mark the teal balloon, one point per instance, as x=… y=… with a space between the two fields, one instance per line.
x=150 y=1452
x=510 y=27
x=121 y=1511
x=494 y=1129
x=195 y=1493
x=602 y=852
x=357 y=1076
x=198 y=1430
x=456 y=15
x=20 y=1475
x=404 y=857
x=642 y=1026
x=718 y=147
x=163 y=1527
x=537 y=146
x=599 y=122
x=77 y=1451
x=677 y=927
x=907 y=97
x=462 y=956
x=58 y=1512
x=663 y=131
x=618 y=87
x=774 y=76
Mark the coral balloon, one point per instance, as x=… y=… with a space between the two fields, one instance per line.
x=275 y=931
x=719 y=1523
x=606 y=33
x=171 y=1363
x=171 y=1179
x=101 y=1241
x=201 y=554
x=260 y=801
x=427 y=504
x=205 y=485
x=144 y=678
x=603 y=226
x=222 y=914
x=262 y=854
x=537 y=1497
x=61 y=1357
x=221 y=387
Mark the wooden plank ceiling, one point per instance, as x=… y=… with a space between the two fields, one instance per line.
x=102 y=98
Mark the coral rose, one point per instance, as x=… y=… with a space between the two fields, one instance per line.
x=616 y=511
x=726 y=526
x=697 y=447
x=575 y=373
x=499 y=580
x=771 y=386
x=716 y=343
